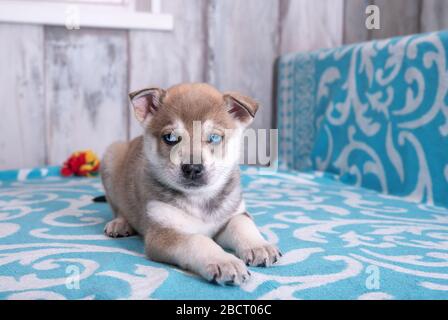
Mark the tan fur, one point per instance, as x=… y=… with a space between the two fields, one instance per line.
x=196 y=102
x=124 y=167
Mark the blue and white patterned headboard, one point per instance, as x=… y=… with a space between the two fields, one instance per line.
x=374 y=113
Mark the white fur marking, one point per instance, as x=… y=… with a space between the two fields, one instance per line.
x=172 y=217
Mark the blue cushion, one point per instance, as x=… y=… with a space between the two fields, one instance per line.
x=339 y=242
x=374 y=113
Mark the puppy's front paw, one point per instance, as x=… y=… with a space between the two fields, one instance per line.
x=227 y=271
x=118 y=228
x=260 y=256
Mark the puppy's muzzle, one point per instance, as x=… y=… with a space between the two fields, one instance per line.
x=193 y=171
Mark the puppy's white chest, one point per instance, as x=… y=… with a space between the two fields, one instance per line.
x=172 y=217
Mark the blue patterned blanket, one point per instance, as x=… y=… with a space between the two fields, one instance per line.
x=339 y=242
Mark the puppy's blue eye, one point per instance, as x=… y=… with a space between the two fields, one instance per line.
x=171 y=138
x=214 y=138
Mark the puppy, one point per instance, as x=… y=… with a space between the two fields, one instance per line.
x=178 y=185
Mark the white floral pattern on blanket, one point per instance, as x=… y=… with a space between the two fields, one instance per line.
x=339 y=242
x=375 y=113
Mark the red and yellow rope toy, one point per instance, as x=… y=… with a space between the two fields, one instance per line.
x=81 y=163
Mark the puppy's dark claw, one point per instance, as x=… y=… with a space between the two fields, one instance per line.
x=263 y=264
x=231 y=281
x=214 y=281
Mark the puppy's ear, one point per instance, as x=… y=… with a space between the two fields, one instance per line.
x=240 y=107
x=146 y=102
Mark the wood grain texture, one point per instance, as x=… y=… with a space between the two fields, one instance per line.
x=243 y=41
x=309 y=25
x=355 y=21
x=398 y=17
x=22 y=121
x=163 y=59
x=434 y=15
x=86 y=88
x=77 y=81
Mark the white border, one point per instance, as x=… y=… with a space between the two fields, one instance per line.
x=90 y=15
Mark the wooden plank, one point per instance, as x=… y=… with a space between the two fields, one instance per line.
x=164 y=59
x=355 y=21
x=397 y=17
x=22 y=125
x=309 y=25
x=86 y=88
x=434 y=15
x=243 y=39
x=93 y=15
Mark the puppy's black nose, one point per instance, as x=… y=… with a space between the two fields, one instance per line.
x=192 y=171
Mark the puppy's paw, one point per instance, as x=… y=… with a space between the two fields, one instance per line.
x=118 y=228
x=260 y=256
x=227 y=271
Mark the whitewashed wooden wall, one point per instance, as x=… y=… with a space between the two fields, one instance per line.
x=63 y=90
x=22 y=106
x=308 y=25
x=397 y=17
x=85 y=90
